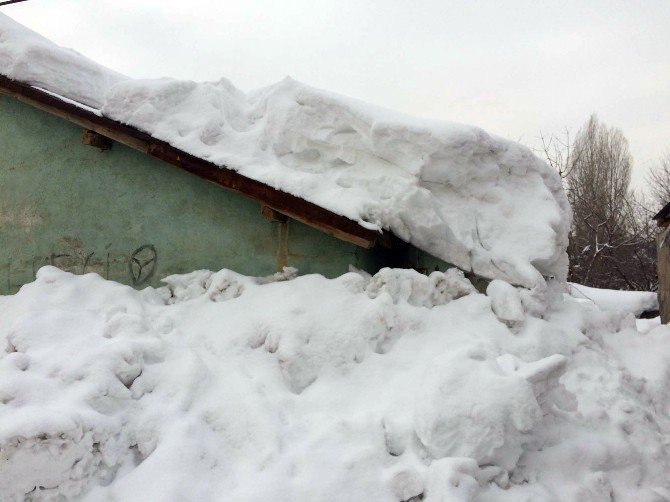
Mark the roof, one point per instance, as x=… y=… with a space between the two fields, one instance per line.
x=359 y=172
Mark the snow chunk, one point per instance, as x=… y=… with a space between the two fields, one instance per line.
x=469 y=407
x=416 y=289
x=505 y=301
x=452 y=479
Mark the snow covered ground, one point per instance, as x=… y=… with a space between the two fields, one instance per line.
x=478 y=201
x=392 y=387
x=635 y=302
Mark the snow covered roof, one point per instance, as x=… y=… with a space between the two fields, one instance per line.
x=476 y=200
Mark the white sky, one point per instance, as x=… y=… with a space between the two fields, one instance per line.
x=514 y=68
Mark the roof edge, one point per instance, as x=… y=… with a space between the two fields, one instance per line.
x=663 y=213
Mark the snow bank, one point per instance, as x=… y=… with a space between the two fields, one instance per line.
x=392 y=387
x=478 y=201
x=634 y=302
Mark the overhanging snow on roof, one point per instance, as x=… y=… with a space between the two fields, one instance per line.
x=478 y=201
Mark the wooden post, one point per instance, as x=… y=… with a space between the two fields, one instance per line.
x=282 y=251
x=663 y=246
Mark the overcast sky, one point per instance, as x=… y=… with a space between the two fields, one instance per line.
x=514 y=68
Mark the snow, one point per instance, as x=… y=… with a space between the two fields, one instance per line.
x=635 y=302
x=220 y=386
x=505 y=301
x=29 y=57
x=478 y=201
x=392 y=387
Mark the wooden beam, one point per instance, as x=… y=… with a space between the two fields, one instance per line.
x=92 y=138
x=77 y=115
x=283 y=202
x=299 y=209
x=272 y=215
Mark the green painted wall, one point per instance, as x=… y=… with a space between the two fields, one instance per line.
x=135 y=219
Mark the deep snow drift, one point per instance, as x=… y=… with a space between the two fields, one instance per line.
x=473 y=199
x=392 y=387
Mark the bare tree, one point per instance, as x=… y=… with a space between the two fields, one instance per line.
x=598 y=189
x=638 y=262
x=658 y=181
x=559 y=153
x=612 y=237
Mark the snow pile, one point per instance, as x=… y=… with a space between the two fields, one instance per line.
x=478 y=201
x=394 y=387
x=634 y=302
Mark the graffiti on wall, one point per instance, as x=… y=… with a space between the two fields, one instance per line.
x=142 y=264
x=136 y=267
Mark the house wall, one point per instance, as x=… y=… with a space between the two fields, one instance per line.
x=132 y=218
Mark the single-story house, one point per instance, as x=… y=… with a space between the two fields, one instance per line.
x=139 y=179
